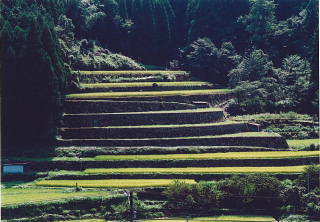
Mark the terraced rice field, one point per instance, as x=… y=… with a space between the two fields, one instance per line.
x=115 y=183
x=108 y=95
x=229 y=155
x=132 y=72
x=198 y=124
x=13 y=196
x=204 y=170
x=144 y=84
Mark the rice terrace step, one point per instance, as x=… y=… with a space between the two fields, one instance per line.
x=131 y=76
x=183 y=130
x=262 y=139
x=144 y=86
x=191 y=116
x=110 y=106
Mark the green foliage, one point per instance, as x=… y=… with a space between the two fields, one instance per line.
x=34 y=73
x=208 y=62
x=259 y=22
x=267 y=89
x=310 y=177
x=254 y=66
x=256 y=192
x=294 y=77
x=296 y=218
x=121 y=212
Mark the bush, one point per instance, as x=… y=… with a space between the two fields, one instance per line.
x=296 y=218
x=141 y=210
x=254 y=66
x=256 y=191
x=208 y=62
x=310 y=178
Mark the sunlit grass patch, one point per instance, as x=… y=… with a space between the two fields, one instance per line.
x=110 y=183
x=198 y=170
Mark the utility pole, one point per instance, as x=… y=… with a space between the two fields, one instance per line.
x=131 y=206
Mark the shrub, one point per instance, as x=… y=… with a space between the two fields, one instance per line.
x=257 y=191
x=208 y=62
x=310 y=177
x=254 y=66
x=296 y=218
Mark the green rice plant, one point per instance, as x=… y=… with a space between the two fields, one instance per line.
x=200 y=170
x=230 y=155
x=112 y=183
x=101 y=95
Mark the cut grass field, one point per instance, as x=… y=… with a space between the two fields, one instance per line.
x=143 y=84
x=112 y=183
x=195 y=170
x=231 y=155
x=131 y=72
x=10 y=196
x=102 y=95
x=299 y=144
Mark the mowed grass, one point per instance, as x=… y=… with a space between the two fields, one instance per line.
x=111 y=183
x=101 y=95
x=11 y=196
x=131 y=72
x=303 y=143
x=143 y=84
x=220 y=218
x=197 y=170
x=230 y=155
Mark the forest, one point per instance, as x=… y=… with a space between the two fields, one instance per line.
x=266 y=49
